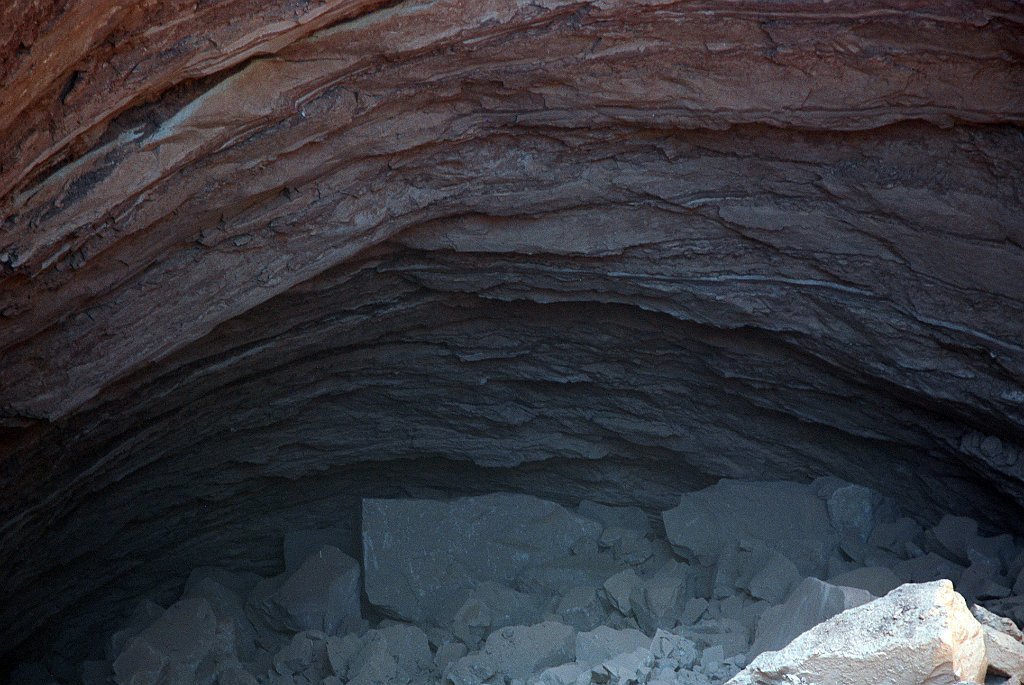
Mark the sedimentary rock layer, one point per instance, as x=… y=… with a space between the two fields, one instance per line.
x=246 y=250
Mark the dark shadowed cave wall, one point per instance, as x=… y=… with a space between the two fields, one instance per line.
x=259 y=260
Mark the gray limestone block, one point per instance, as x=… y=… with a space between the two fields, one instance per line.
x=581 y=608
x=174 y=649
x=1005 y=654
x=674 y=650
x=408 y=644
x=588 y=567
x=322 y=594
x=957 y=538
x=732 y=635
x=767 y=574
x=627 y=545
x=448 y=653
x=926 y=568
x=620 y=589
x=878 y=580
x=788 y=517
x=632 y=518
x=491 y=606
x=566 y=674
x=227 y=605
x=516 y=653
x=423 y=557
x=659 y=601
x=299 y=544
x=811 y=602
x=603 y=643
x=305 y=653
x=895 y=535
x=341 y=650
x=997 y=622
x=854 y=510
x=627 y=668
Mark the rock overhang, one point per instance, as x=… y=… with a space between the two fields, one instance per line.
x=736 y=239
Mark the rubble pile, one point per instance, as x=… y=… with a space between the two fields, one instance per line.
x=743 y=582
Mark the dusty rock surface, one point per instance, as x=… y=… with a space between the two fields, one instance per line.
x=252 y=251
x=916 y=634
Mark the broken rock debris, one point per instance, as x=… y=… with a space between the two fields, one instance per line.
x=742 y=582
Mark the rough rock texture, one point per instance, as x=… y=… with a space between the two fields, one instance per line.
x=251 y=250
x=916 y=634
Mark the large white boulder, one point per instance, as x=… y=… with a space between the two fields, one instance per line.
x=916 y=634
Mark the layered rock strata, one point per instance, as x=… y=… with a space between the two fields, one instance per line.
x=251 y=252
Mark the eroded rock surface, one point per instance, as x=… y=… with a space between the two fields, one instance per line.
x=256 y=258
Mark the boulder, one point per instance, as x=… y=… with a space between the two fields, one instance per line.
x=227 y=605
x=299 y=544
x=581 y=608
x=788 y=517
x=632 y=518
x=1004 y=643
x=516 y=652
x=424 y=557
x=1005 y=655
x=603 y=643
x=1000 y=623
x=673 y=650
x=620 y=589
x=178 y=648
x=629 y=668
x=810 y=603
x=322 y=594
x=491 y=606
x=916 y=634
x=659 y=601
x=878 y=580
x=854 y=510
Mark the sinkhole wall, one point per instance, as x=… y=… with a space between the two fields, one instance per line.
x=258 y=260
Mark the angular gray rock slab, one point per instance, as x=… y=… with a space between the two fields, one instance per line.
x=322 y=594
x=1005 y=654
x=916 y=634
x=491 y=606
x=632 y=518
x=227 y=605
x=516 y=652
x=878 y=580
x=786 y=516
x=1004 y=643
x=424 y=557
x=810 y=603
x=174 y=648
x=603 y=643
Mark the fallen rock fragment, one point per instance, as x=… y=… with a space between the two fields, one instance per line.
x=323 y=594
x=914 y=635
x=423 y=558
x=785 y=516
x=878 y=580
x=182 y=646
x=603 y=643
x=516 y=652
x=811 y=602
x=1003 y=643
